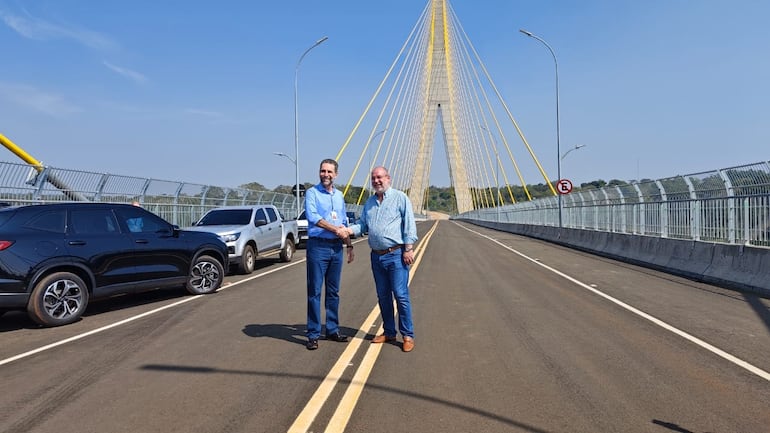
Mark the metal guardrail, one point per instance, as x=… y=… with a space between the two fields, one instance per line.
x=180 y=203
x=730 y=205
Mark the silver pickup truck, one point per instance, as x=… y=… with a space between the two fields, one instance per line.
x=250 y=232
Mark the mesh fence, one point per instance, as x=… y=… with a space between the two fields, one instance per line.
x=181 y=203
x=730 y=205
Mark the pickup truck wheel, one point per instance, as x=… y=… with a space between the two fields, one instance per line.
x=205 y=276
x=287 y=252
x=247 y=260
x=58 y=299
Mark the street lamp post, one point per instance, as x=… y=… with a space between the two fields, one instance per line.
x=558 y=149
x=371 y=161
x=577 y=146
x=368 y=143
x=498 y=200
x=296 y=119
x=293 y=161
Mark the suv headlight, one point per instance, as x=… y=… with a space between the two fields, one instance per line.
x=230 y=238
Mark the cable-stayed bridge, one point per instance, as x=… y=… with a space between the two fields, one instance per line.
x=514 y=334
x=437 y=92
x=437 y=96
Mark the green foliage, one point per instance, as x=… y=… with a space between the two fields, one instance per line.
x=594 y=185
x=256 y=186
x=442 y=199
x=283 y=189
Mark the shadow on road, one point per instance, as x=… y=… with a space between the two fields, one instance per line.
x=758 y=305
x=408 y=394
x=291 y=333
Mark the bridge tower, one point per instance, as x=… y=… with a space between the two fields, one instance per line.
x=439 y=110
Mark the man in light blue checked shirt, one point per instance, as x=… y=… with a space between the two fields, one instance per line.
x=389 y=219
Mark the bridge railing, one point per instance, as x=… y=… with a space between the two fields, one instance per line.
x=729 y=205
x=180 y=203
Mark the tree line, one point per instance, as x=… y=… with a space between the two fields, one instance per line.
x=442 y=199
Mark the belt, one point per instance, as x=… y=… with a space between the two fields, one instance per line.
x=389 y=250
x=330 y=240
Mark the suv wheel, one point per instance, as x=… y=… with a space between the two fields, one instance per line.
x=247 y=260
x=206 y=276
x=287 y=252
x=58 y=299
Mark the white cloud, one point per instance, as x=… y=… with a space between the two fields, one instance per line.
x=37 y=29
x=204 y=113
x=132 y=75
x=37 y=100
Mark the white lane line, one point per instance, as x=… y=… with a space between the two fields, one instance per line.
x=717 y=351
x=133 y=318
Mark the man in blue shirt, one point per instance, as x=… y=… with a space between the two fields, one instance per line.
x=325 y=211
x=389 y=218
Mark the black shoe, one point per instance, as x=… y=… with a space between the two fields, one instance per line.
x=339 y=338
x=312 y=344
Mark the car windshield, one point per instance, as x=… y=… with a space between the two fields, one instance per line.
x=226 y=217
x=302 y=216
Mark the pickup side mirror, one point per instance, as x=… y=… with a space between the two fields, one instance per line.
x=260 y=223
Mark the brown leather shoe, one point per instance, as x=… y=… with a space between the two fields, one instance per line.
x=408 y=345
x=383 y=338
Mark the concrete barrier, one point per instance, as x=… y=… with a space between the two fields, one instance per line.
x=740 y=267
x=690 y=258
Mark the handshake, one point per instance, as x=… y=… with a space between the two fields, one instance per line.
x=343 y=232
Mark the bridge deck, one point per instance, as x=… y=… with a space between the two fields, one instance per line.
x=513 y=334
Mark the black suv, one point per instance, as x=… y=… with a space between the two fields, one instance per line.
x=55 y=257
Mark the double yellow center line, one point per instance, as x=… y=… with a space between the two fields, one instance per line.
x=348 y=402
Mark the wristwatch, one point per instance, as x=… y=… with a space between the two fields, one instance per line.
x=408 y=249
x=349 y=246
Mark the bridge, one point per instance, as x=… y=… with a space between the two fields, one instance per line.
x=664 y=326
x=438 y=93
x=513 y=334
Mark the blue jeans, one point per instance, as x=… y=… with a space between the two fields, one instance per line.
x=324 y=265
x=391 y=278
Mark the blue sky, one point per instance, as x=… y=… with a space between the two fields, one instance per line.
x=203 y=91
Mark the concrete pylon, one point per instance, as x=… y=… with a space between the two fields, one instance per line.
x=439 y=109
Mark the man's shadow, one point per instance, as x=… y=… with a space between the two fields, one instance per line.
x=291 y=333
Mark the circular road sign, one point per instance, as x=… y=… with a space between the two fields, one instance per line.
x=301 y=189
x=564 y=186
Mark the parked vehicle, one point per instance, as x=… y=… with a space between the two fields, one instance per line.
x=302 y=224
x=302 y=227
x=351 y=219
x=57 y=257
x=351 y=216
x=251 y=231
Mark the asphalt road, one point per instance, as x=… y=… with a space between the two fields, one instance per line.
x=512 y=335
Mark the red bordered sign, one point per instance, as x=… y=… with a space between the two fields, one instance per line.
x=564 y=186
